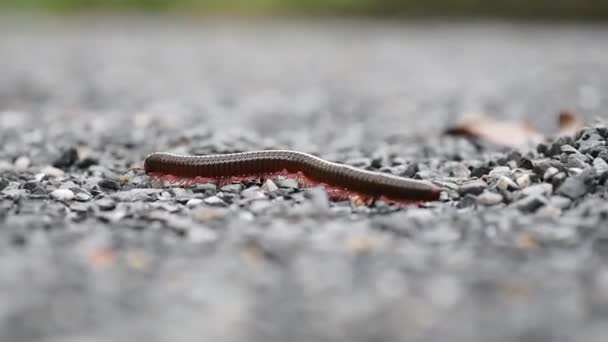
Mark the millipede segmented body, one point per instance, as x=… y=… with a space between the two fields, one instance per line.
x=221 y=166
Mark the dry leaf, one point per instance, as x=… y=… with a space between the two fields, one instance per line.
x=570 y=122
x=506 y=133
x=511 y=133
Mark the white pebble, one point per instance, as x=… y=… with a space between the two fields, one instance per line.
x=193 y=202
x=52 y=171
x=524 y=180
x=62 y=194
x=505 y=183
x=22 y=163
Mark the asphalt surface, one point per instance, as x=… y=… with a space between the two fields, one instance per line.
x=89 y=251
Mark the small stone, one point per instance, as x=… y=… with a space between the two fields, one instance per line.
x=559 y=202
x=552 y=171
x=30 y=185
x=106 y=203
x=269 y=186
x=568 y=149
x=524 y=181
x=530 y=204
x=205 y=188
x=232 y=188
x=576 y=161
x=194 y=202
x=505 y=183
x=62 y=194
x=38 y=190
x=253 y=193
x=600 y=166
x=500 y=171
x=289 y=183
x=87 y=162
x=52 y=171
x=475 y=187
x=67 y=158
x=82 y=197
x=543 y=189
x=456 y=170
x=525 y=163
x=215 y=201
x=577 y=186
x=488 y=198
x=3 y=183
x=586 y=146
x=109 y=184
x=22 y=163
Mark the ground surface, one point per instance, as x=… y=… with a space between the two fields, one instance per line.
x=515 y=251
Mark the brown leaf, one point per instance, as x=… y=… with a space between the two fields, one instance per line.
x=569 y=122
x=505 y=133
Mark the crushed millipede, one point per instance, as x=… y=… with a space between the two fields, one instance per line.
x=306 y=167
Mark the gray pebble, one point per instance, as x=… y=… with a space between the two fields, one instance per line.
x=62 y=194
x=552 y=171
x=232 y=188
x=288 y=183
x=505 y=183
x=568 y=149
x=109 y=184
x=600 y=166
x=22 y=163
x=269 y=186
x=52 y=172
x=530 y=204
x=500 y=171
x=559 y=202
x=456 y=170
x=215 y=201
x=253 y=193
x=3 y=183
x=193 y=202
x=205 y=188
x=586 y=146
x=577 y=186
x=475 y=187
x=106 y=203
x=67 y=158
x=488 y=198
x=543 y=189
x=576 y=160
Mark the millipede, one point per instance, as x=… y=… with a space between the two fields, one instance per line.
x=339 y=180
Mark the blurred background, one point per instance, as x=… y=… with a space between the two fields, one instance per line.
x=547 y=9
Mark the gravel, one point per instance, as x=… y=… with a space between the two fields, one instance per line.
x=93 y=250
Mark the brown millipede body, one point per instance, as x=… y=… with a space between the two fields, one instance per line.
x=339 y=180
